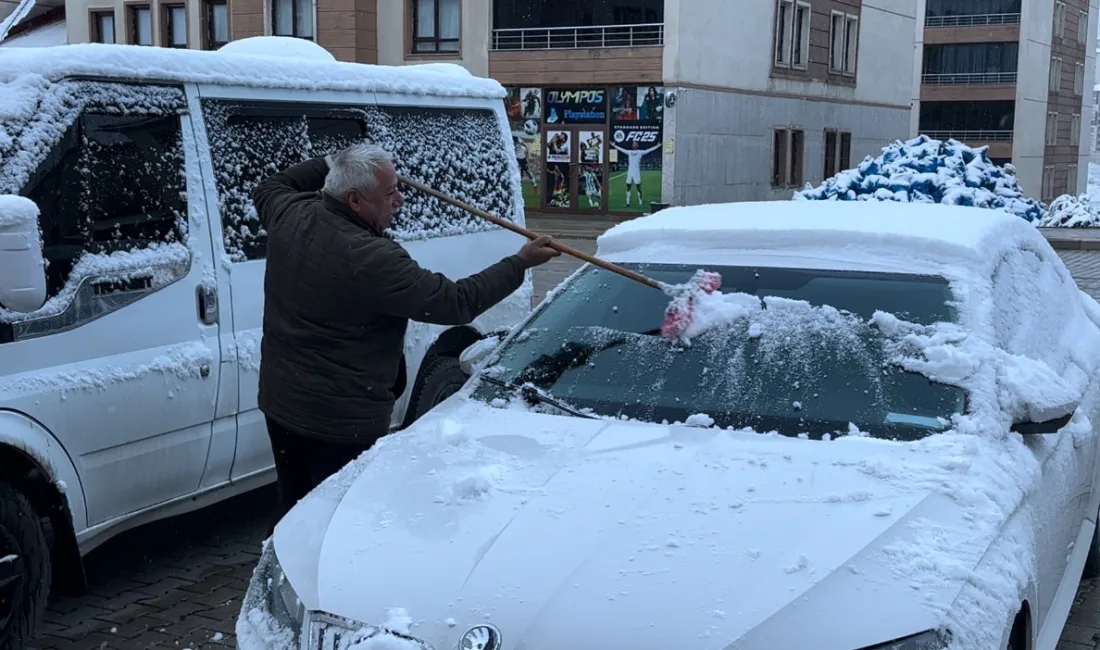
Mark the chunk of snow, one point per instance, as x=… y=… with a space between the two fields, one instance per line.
x=699 y=420
x=258 y=630
x=16 y=210
x=923 y=170
x=279 y=46
x=1069 y=211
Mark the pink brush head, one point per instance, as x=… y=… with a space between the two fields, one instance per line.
x=681 y=310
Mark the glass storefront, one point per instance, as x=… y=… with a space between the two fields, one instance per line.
x=588 y=149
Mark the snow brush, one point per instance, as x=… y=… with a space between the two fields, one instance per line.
x=680 y=313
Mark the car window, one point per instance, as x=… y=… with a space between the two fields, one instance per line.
x=1032 y=303
x=108 y=176
x=458 y=151
x=810 y=361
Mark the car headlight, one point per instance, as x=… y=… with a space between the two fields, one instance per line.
x=930 y=640
x=271 y=608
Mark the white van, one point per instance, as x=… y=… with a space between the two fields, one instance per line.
x=128 y=379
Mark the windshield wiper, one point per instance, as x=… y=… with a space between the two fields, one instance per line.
x=534 y=395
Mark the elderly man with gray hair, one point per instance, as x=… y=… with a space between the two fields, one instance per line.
x=338 y=296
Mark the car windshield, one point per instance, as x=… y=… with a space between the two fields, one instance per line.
x=808 y=363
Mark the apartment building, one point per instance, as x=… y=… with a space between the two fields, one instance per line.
x=614 y=104
x=1012 y=75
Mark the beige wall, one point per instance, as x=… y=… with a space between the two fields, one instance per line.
x=78 y=24
x=395 y=21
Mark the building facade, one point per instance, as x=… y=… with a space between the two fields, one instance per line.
x=1012 y=75
x=614 y=105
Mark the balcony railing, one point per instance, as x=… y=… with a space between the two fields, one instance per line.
x=976 y=20
x=573 y=38
x=1001 y=135
x=960 y=78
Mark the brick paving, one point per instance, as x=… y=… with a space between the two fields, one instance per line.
x=178 y=583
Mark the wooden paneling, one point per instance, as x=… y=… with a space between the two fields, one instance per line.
x=996 y=149
x=1064 y=100
x=577 y=67
x=349 y=29
x=817 y=68
x=967 y=92
x=979 y=34
x=246 y=18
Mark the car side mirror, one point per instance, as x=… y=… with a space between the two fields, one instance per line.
x=475 y=354
x=22 y=269
x=1045 y=420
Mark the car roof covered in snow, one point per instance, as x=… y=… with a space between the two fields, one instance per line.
x=262 y=69
x=912 y=234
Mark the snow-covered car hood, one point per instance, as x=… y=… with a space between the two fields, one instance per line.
x=628 y=534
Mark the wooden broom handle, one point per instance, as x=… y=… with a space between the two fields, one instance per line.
x=520 y=230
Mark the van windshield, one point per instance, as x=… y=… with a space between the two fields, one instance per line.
x=809 y=362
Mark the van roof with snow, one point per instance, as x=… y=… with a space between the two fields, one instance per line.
x=261 y=62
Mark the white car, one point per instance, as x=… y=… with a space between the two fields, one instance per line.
x=128 y=371
x=890 y=443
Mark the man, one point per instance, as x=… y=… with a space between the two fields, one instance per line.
x=634 y=168
x=338 y=296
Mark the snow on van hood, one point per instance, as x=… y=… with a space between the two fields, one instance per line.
x=629 y=534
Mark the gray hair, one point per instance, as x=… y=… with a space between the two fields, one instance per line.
x=355 y=168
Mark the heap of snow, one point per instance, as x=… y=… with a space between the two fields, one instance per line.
x=1069 y=211
x=295 y=48
x=923 y=170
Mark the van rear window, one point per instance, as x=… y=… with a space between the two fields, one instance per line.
x=459 y=151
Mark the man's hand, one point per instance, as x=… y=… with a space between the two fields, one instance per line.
x=538 y=251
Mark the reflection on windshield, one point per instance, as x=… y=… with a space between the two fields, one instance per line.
x=808 y=362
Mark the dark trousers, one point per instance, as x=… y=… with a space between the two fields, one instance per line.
x=303 y=463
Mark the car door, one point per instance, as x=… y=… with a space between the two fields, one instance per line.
x=118 y=364
x=1032 y=302
x=249 y=139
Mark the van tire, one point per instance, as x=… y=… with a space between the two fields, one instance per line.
x=21 y=534
x=1092 y=561
x=439 y=378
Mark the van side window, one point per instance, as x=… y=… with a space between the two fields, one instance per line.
x=461 y=152
x=250 y=141
x=110 y=187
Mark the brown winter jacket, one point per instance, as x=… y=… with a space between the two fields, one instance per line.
x=337 y=300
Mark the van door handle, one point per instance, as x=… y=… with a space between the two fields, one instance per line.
x=208 y=303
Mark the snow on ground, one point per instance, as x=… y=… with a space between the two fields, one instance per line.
x=923 y=170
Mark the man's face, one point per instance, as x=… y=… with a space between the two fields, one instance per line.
x=634 y=145
x=376 y=208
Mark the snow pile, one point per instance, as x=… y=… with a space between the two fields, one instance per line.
x=294 y=72
x=1069 y=211
x=283 y=46
x=923 y=170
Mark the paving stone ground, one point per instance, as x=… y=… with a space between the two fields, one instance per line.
x=178 y=583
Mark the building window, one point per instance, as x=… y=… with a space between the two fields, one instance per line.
x=435 y=26
x=1055 y=81
x=103 y=26
x=141 y=24
x=1075 y=129
x=792 y=34
x=292 y=18
x=838 y=152
x=787 y=153
x=1082 y=27
x=1060 y=19
x=1079 y=79
x=844 y=35
x=216 y=13
x=1052 y=128
x=175 y=25
x=1071 y=182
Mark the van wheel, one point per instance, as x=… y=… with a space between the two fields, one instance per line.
x=440 y=377
x=1092 y=561
x=24 y=569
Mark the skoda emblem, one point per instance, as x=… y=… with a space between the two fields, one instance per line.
x=480 y=637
